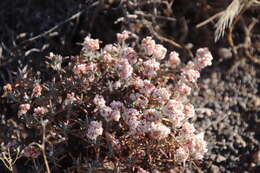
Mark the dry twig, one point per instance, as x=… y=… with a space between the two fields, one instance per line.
x=229 y=17
x=42 y=145
x=7 y=159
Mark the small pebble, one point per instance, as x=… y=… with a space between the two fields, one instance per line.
x=225 y=53
x=214 y=169
x=220 y=158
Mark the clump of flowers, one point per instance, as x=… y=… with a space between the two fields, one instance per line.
x=40 y=110
x=118 y=102
x=37 y=90
x=23 y=108
x=95 y=129
x=8 y=87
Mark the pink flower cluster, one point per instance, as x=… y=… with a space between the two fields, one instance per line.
x=91 y=44
x=122 y=36
x=40 y=110
x=174 y=110
x=159 y=131
x=148 y=104
x=130 y=54
x=94 y=130
x=193 y=146
x=56 y=61
x=37 y=90
x=159 y=52
x=174 y=59
x=109 y=113
x=124 y=69
x=190 y=73
x=8 y=87
x=161 y=95
x=203 y=58
x=84 y=68
x=148 y=45
x=23 y=108
x=139 y=100
x=146 y=87
x=151 y=67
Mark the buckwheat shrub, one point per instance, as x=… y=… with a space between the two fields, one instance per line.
x=115 y=104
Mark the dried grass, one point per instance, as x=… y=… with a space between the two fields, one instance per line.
x=236 y=8
x=227 y=18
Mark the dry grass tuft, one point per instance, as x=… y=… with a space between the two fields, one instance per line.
x=236 y=8
x=227 y=18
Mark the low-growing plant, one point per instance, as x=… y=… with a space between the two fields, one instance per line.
x=116 y=108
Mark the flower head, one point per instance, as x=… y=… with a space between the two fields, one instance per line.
x=187 y=129
x=182 y=154
x=147 y=88
x=191 y=75
x=159 y=131
x=130 y=54
x=99 y=101
x=174 y=110
x=40 y=110
x=95 y=129
x=151 y=67
x=184 y=89
x=148 y=45
x=152 y=115
x=37 y=90
x=161 y=95
x=122 y=36
x=197 y=146
x=159 y=52
x=203 y=57
x=139 y=99
x=91 y=44
x=189 y=110
x=174 y=59
x=8 y=87
x=106 y=112
x=80 y=69
x=124 y=69
x=23 y=108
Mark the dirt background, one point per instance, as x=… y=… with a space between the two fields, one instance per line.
x=228 y=101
